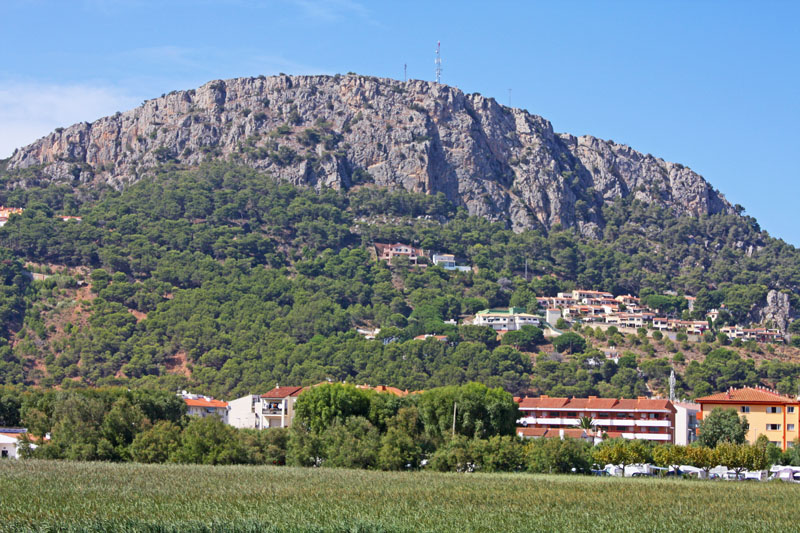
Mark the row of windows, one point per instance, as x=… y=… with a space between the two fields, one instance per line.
x=777 y=427
x=770 y=410
x=573 y=414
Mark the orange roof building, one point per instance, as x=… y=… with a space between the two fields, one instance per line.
x=640 y=418
x=768 y=412
x=202 y=406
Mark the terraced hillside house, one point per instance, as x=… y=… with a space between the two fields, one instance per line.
x=387 y=252
x=509 y=319
x=203 y=406
x=640 y=418
x=768 y=412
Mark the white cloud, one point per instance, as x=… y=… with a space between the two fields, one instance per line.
x=29 y=111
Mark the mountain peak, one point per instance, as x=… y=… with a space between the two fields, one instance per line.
x=339 y=131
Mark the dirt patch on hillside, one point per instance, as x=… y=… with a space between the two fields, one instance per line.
x=177 y=364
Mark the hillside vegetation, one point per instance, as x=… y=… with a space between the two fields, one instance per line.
x=222 y=279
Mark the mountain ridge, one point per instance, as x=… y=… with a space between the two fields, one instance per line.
x=502 y=163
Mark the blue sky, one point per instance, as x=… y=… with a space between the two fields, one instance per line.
x=712 y=85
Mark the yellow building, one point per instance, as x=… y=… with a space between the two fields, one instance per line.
x=768 y=412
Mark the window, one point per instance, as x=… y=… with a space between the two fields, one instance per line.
x=745 y=408
x=572 y=414
x=652 y=430
x=789 y=427
x=790 y=409
x=773 y=410
x=4 y=453
x=773 y=427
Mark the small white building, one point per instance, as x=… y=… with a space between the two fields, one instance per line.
x=509 y=319
x=11 y=442
x=448 y=262
x=552 y=315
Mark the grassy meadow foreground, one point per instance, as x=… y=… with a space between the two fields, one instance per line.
x=65 y=496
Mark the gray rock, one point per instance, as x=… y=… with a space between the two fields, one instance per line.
x=501 y=163
x=776 y=309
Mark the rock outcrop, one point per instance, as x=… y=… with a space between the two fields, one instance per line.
x=340 y=131
x=777 y=309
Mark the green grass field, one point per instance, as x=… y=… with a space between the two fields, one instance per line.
x=63 y=496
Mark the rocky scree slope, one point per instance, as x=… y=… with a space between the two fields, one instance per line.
x=339 y=131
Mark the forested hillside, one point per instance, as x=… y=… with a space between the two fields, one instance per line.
x=225 y=280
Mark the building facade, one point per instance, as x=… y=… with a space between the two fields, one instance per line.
x=203 y=406
x=387 y=252
x=642 y=418
x=771 y=414
x=270 y=410
x=509 y=319
x=686 y=419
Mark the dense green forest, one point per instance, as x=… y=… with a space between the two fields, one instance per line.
x=222 y=279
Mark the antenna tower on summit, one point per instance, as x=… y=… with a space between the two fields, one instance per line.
x=438 y=62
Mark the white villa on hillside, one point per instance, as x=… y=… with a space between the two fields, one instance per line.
x=509 y=319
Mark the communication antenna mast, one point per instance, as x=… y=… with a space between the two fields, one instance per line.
x=438 y=61
x=405 y=72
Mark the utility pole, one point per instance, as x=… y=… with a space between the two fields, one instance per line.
x=455 y=407
x=438 y=62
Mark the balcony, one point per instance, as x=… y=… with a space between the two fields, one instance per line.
x=653 y=423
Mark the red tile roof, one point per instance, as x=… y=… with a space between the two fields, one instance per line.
x=282 y=392
x=747 y=395
x=594 y=403
x=202 y=402
x=531 y=432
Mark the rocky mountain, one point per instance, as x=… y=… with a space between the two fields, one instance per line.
x=341 y=131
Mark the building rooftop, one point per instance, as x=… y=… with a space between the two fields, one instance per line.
x=283 y=392
x=747 y=395
x=595 y=403
x=204 y=402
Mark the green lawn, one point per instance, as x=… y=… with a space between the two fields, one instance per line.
x=63 y=496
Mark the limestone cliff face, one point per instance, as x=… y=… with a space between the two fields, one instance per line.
x=340 y=131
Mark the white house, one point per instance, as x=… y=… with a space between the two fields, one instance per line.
x=273 y=409
x=11 y=442
x=509 y=319
x=448 y=262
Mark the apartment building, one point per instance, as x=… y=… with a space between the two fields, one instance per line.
x=641 y=418
x=272 y=409
x=202 y=406
x=509 y=319
x=693 y=327
x=768 y=412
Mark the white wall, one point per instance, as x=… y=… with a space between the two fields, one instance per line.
x=240 y=412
